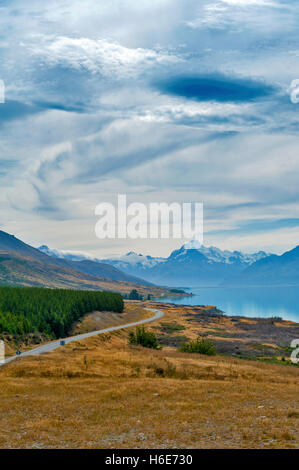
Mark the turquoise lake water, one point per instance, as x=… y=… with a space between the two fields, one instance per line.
x=262 y=302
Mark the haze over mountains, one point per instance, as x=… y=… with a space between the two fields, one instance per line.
x=271 y=270
x=191 y=265
x=196 y=265
x=188 y=266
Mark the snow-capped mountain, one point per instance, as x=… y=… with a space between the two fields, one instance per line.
x=191 y=265
x=88 y=264
x=137 y=260
x=273 y=270
x=64 y=254
x=215 y=255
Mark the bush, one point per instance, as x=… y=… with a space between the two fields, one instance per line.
x=173 y=326
x=147 y=339
x=200 y=346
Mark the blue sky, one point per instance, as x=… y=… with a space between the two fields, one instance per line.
x=164 y=100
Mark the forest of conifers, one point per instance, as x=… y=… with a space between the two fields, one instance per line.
x=50 y=311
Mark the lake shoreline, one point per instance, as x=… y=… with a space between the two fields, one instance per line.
x=251 y=302
x=266 y=339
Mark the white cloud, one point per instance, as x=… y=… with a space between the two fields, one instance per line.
x=198 y=114
x=249 y=2
x=275 y=241
x=108 y=58
x=128 y=137
x=240 y=15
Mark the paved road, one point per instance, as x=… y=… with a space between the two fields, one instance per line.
x=56 y=344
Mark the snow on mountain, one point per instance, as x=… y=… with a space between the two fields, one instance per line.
x=215 y=255
x=191 y=264
x=134 y=259
x=66 y=254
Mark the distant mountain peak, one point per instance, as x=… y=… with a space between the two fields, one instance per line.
x=216 y=255
x=192 y=245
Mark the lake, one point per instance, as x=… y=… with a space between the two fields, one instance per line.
x=247 y=301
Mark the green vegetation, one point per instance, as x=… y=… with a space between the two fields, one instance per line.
x=145 y=338
x=178 y=291
x=52 y=312
x=219 y=333
x=200 y=346
x=133 y=295
x=172 y=326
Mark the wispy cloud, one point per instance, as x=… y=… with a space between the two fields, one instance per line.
x=161 y=99
x=237 y=15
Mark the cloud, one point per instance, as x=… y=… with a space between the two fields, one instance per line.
x=216 y=88
x=14 y=110
x=110 y=59
x=163 y=100
x=241 y=15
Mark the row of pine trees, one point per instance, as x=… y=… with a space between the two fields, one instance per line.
x=52 y=312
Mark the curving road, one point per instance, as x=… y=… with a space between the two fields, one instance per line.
x=56 y=344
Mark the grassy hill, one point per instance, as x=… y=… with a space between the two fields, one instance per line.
x=104 y=393
x=21 y=270
x=9 y=244
x=23 y=265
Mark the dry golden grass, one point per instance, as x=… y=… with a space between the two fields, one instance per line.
x=103 y=393
x=25 y=271
x=99 y=320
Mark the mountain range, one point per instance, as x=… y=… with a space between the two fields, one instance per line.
x=271 y=270
x=191 y=265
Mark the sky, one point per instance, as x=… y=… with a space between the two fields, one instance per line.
x=161 y=100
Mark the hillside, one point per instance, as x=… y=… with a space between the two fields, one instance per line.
x=9 y=243
x=103 y=393
x=23 y=265
x=273 y=270
x=21 y=270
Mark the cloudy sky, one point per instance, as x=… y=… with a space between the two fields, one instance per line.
x=162 y=100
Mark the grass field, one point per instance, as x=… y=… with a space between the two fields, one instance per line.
x=103 y=393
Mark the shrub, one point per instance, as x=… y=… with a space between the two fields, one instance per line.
x=147 y=339
x=200 y=346
x=173 y=326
